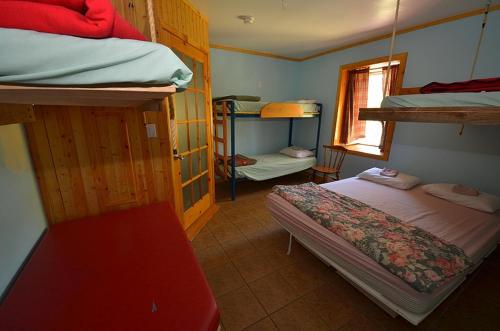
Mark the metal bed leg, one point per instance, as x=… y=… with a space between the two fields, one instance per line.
x=233 y=156
x=290 y=244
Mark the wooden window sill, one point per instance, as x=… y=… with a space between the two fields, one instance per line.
x=366 y=151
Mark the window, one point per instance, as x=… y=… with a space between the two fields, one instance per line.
x=361 y=85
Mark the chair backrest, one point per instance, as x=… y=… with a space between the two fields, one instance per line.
x=333 y=156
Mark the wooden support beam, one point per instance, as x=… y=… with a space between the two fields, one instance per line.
x=146 y=98
x=12 y=114
x=466 y=115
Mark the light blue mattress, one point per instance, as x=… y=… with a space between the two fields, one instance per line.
x=254 y=107
x=482 y=99
x=273 y=165
x=29 y=57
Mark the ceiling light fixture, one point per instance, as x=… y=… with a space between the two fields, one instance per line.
x=247 y=19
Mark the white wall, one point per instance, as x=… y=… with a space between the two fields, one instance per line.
x=21 y=215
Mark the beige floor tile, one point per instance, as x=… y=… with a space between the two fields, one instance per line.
x=298 y=315
x=333 y=308
x=211 y=257
x=302 y=278
x=239 y=309
x=219 y=219
x=273 y=292
x=254 y=266
x=226 y=232
x=204 y=239
x=238 y=247
x=223 y=279
x=361 y=323
x=265 y=324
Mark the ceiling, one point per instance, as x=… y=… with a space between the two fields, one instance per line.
x=304 y=28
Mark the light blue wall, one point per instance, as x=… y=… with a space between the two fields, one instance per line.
x=435 y=152
x=21 y=216
x=271 y=79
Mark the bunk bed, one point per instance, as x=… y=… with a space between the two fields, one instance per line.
x=120 y=73
x=465 y=108
x=225 y=113
x=50 y=69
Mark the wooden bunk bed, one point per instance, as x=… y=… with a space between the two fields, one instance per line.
x=225 y=113
x=482 y=109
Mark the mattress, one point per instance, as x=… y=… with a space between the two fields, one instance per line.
x=482 y=99
x=477 y=233
x=132 y=269
x=254 y=107
x=30 y=57
x=273 y=165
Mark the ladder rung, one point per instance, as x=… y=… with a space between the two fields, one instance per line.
x=220 y=140
x=218 y=121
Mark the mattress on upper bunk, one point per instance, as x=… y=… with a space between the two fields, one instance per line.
x=254 y=107
x=29 y=57
x=477 y=233
x=273 y=165
x=481 y=99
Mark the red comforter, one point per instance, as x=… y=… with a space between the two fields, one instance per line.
x=80 y=18
x=476 y=85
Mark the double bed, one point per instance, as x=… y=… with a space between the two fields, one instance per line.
x=476 y=233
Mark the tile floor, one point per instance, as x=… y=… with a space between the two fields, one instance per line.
x=258 y=287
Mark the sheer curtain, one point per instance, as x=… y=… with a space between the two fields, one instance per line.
x=356 y=98
x=393 y=76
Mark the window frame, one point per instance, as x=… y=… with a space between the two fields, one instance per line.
x=339 y=113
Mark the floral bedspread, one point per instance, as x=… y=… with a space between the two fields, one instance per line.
x=416 y=256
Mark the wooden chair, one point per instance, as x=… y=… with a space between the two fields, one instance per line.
x=333 y=157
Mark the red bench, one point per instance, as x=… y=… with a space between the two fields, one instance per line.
x=126 y=270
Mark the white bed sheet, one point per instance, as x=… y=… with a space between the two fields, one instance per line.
x=273 y=165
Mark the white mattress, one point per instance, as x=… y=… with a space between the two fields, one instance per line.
x=477 y=233
x=274 y=165
x=482 y=99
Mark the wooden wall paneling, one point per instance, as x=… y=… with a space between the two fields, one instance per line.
x=45 y=170
x=183 y=20
x=113 y=160
x=160 y=151
x=65 y=158
x=136 y=13
x=87 y=169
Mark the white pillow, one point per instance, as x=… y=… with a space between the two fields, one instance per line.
x=483 y=202
x=297 y=152
x=401 y=181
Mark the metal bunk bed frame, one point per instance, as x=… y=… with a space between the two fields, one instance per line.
x=228 y=110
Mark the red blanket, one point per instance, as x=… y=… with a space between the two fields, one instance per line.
x=476 y=85
x=80 y=18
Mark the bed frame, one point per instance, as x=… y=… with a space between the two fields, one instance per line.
x=378 y=298
x=224 y=113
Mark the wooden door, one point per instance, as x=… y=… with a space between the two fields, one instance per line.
x=191 y=127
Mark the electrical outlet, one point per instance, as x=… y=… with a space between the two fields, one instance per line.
x=151 y=130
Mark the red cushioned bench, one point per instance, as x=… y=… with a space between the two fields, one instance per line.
x=127 y=270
